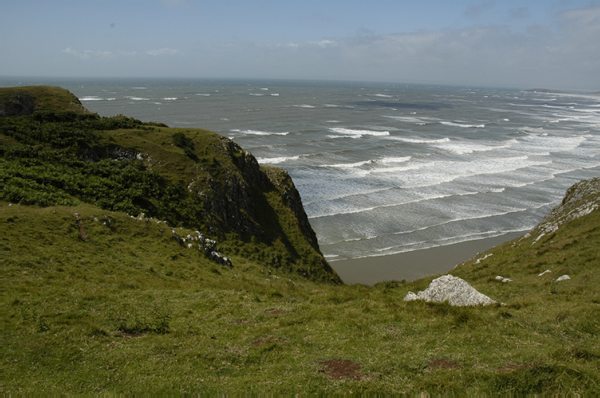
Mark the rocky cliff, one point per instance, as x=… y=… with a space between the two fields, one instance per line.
x=188 y=177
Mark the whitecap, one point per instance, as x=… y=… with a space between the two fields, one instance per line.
x=277 y=160
x=304 y=106
x=170 y=99
x=420 y=140
x=465 y=126
x=91 y=98
x=382 y=95
x=258 y=132
x=137 y=98
x=341 y=130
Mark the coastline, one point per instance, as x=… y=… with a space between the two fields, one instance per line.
x=415 y=264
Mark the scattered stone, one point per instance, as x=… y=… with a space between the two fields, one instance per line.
x=563 y=278
x=454 y=290
x=545 y=272
x=504 y=280
x=483 y=258
x=499 y=278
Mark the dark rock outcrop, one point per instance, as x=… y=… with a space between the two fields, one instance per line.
x=18 y=104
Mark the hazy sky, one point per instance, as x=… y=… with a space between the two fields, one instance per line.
x=537 y=43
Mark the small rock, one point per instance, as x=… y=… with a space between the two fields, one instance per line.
x=504 y=280
x=563 y=278
x=499 y=278
x=545 y=272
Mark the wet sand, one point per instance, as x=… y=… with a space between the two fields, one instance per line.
x=415 y=264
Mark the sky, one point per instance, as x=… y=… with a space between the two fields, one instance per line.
x=551 y=44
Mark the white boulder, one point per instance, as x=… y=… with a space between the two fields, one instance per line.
x=563 y=278
x=454 y=290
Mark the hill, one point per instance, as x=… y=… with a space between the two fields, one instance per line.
x=189 y=178
x=97 y=301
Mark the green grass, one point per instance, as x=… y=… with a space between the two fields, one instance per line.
x=47 y=98
x=132 y=310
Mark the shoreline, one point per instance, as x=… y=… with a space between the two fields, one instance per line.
x=415 y=264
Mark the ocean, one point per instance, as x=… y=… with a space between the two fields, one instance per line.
x=385 y=168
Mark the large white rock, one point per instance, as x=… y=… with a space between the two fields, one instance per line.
x=454 y=290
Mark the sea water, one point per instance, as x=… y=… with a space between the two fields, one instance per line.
x=385 y=168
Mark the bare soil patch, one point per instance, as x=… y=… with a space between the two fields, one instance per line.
x=338 y=369
x=442 y=363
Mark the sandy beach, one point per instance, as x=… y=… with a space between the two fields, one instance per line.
x=414 y=264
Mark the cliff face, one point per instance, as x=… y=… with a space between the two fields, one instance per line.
x=187 y=177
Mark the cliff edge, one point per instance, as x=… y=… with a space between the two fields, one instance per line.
x=55 y=152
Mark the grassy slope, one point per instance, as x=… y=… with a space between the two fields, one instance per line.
x=216 y=174
x=131 y=310
x=46 y=98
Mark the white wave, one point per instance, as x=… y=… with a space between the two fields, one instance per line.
x=341 y=130
x=170 y=99
x=257 y=95
x=111 y=99
x=421 y=121
x=333 y=121
x=462 y=148
x=304 y=106
x=420 y=140
x=277 y=160
x=264 y=88
x=274 y=95
x=413 y=201
x=535 y=144
x=395 y=159
x=349 y=165
x=415 y=166
x=466 y=126
x=257 y=132
x=382 y=95
x=204 y=95
x=157 y=103
x=137 y=98
x=91 y=98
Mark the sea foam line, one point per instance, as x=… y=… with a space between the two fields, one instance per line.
x=368 y=238
x=257 y=132
x=424 y=199
x=354 y=132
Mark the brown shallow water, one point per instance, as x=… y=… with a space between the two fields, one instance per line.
x=415 y=264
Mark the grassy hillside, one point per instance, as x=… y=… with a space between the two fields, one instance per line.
x=96 y=301
x=191 y=178
x=17 y=101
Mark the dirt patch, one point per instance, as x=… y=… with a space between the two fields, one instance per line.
x=337 y=369
x=273 y=312
x=442 y=363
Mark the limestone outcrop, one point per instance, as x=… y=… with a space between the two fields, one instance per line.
x=451 y=289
